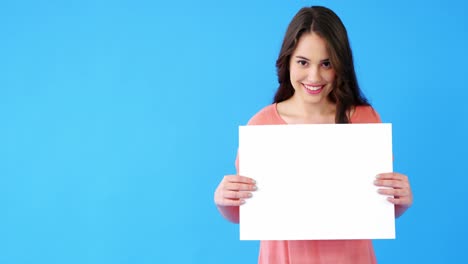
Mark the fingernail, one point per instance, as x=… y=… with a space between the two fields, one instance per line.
x=250 y=195
x=254 y=188
x=378 y=176
x=254 y=182
x=376 y=182
x=242 y=201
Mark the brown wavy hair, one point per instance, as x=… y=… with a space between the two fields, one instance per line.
x=325 y=23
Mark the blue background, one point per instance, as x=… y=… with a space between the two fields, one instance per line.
x=119 y=119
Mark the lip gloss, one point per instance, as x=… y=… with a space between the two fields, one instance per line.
x=313 y=91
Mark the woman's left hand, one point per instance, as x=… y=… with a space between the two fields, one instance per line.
x=399 y=190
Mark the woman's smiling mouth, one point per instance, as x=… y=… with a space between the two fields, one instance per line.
x=313 y=89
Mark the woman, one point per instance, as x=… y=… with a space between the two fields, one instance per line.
x=317 y=85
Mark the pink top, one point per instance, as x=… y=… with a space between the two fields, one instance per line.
x=310 y=251
x=270 y=116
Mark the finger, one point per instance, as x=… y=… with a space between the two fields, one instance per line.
x=392 y=176
x=394 y=192
x=240 y=187
x=239 y=179
x=231 y=202
x=400 y=201
x=245 y=179
x=237 y=195
x=391 y=183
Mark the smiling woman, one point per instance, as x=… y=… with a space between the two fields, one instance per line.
x=318 y=32
x=312 y=79
x=317 y=85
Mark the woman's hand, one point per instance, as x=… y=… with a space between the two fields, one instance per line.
x=233 y=190
x=399 y=190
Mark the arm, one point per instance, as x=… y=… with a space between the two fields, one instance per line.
x=231 y=213
x=398 y=189
x=231 y=193
x=234 y=189
x=399 y=183
x=399 y=210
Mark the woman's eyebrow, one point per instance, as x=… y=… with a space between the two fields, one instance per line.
x=302 y=58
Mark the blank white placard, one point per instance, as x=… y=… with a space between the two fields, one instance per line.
x=316 y=181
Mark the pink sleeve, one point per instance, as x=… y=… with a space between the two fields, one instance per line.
x=267 y=115
x=365 y=115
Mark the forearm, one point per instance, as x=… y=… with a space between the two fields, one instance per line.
x=399 y=210
x=231 y=213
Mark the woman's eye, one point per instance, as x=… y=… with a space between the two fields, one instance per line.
x=302 y=62
x=326 y=64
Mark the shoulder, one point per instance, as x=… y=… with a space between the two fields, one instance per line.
x=266 y=116
x=365 y=114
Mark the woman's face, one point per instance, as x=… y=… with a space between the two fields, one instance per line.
x=311 y=72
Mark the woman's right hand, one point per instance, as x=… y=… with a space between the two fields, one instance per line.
x=233 y=190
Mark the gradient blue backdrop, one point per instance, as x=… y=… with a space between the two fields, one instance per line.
x=119 y=119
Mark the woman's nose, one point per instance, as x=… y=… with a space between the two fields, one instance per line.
x=313 y=74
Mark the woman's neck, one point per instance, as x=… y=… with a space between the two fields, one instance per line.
x=300 y=112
